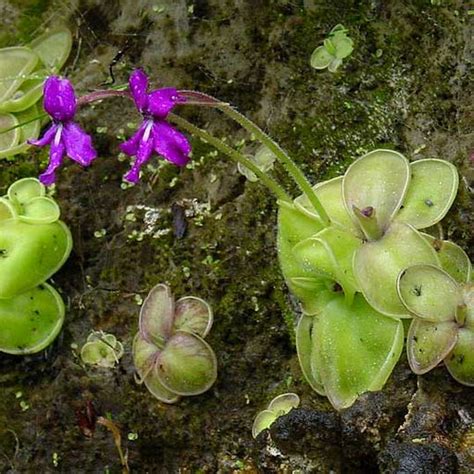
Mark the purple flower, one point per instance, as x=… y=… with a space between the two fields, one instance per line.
x=154 y=133
x=65 y=136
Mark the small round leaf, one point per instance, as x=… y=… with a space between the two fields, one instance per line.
x=282 y=404
x=304 y=332
x=460 y=362
x=193 y=315
x=40 y=210
x=321 y=58
x=30 y=321
x=53 y=48
x=25 y=189
x=187 y=365
x=429 y=293
x=377 y=180
x=156 y=315
x=433 y=187
x=429 y=343
x=15 y=65
x=453 y=258
x=262 y=422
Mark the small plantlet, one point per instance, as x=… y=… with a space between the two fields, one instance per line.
x=264 y=159
x=279 y=406
x=336 y=47
x=102 y=350
x=169 y=351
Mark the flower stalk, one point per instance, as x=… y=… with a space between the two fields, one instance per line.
x=280 y=154
x=271 y=184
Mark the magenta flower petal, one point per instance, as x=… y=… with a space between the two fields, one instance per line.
x=56 y=155
x=145 y=148
x=171 y=144
x=59 y=98
x=130 y=147
x=78 y=144
x=47 y=138
x=162 y=101
x=138 y=84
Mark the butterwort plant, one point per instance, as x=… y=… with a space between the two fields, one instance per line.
x=170 y=354
x=344 y=248
x=34 y=244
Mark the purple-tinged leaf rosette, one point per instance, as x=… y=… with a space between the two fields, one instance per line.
x=64 y=136
x=154 y=133
x=169 y=351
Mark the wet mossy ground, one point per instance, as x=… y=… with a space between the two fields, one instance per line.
x=405 y=86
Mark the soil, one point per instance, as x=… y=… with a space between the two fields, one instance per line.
x=405 y=86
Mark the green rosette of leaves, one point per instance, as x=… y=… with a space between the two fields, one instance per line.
x=23 y=70
x=345 y=274
x=170 y=354
x=34 y=244
x=335 y=48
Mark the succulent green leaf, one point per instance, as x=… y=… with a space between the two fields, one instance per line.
x=343 y=44
x=433 y=187
x=378 y=264
x=156 y=315
x=293 y=227
x=329 y=194
x=304 y=332
x=321 y=58
x=15 y=65
x=53 y=48
x=453 y=258
x=30 y=254
x=40 y=210
x=9 y=139
x=23 y=190
x=30 y=321
x=7 y=210
x=144 y=359
x=28 y=93
x=264 y=159
x=30 y=130
x=262 y=422
x=193 y=315
x=330 y=48
x=460 y=362
x=282 y=404
x=429 y=343
x=144 y=356
x=338 y=29
x=429 y=293
x=356 y=349
x=187 y=365
x=330 y=252
x=377 y=180
x=313 y=292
